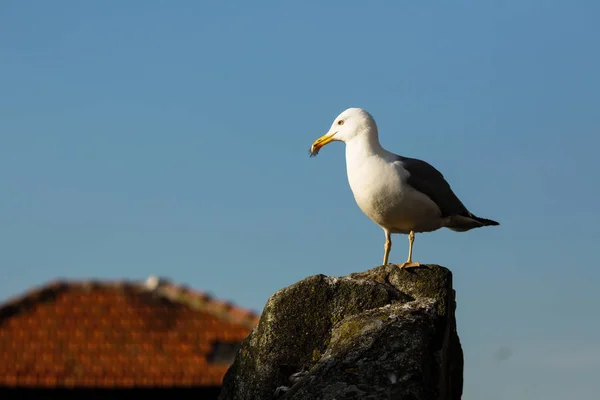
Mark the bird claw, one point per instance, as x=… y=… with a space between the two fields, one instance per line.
x=409 y=265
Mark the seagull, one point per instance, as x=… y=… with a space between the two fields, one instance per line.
x=400 y=194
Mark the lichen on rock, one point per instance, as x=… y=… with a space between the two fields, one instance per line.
x=380 y=334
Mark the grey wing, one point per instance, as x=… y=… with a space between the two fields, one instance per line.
x=429 y=181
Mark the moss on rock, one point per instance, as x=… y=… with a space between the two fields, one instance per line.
x=350 y=333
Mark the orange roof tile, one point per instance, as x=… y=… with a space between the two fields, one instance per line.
x=118 y=334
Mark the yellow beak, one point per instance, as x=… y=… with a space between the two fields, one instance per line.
x=320 y=142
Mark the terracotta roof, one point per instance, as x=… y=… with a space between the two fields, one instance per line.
x=118 y=334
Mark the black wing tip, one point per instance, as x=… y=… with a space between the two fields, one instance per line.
x=466 y=222
x=485 y=221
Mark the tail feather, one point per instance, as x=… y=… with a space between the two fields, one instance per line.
x=463 y=223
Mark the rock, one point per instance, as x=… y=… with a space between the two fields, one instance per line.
x=386 y=333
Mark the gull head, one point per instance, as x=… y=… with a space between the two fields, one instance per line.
x=350 y=124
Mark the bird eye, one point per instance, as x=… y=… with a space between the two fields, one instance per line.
x=341 y=122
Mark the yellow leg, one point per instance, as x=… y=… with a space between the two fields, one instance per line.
x=387 y=247
x=409 y=263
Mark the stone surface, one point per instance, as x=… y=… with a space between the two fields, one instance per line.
x=386 y=333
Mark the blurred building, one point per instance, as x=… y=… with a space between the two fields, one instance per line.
x=101 y=339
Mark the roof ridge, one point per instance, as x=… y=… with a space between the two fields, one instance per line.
x=177 y=293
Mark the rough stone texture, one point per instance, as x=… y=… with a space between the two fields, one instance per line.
x=386 y=333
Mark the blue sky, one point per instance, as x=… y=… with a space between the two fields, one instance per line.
x=172 y=138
